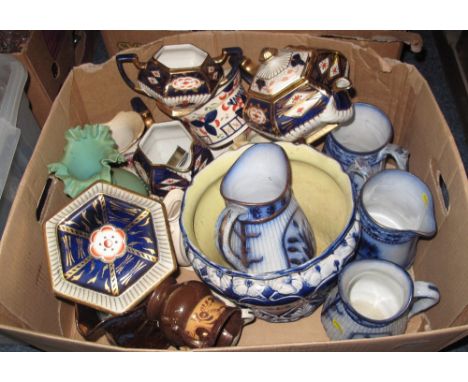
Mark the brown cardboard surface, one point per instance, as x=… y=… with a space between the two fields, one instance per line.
x=29 y=310
x=38 y=60
x=385 y=43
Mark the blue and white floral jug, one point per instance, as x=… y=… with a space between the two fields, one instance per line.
x=262 y=229
x=396 y=210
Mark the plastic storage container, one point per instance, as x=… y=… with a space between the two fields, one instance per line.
x=19 y=131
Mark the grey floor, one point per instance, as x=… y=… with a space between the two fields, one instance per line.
x=430 y=64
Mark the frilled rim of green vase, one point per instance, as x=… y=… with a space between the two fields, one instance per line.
x=88 y=146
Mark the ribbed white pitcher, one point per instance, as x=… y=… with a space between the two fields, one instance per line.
x=262 y=229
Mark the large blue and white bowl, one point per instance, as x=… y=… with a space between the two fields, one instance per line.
x=324 y=193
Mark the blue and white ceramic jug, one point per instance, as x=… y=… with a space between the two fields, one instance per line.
x=262 y=229
x=396 y=209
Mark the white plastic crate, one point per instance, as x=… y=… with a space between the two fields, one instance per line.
x=19 y=131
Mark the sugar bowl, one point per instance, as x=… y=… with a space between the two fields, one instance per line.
x=181 y=77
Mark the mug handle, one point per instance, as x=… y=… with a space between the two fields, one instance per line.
x=224 y=229
x=426 y=295
x=132 y=58
x=398 y=153
x=234 y=56
x=360 y=168
x=173 y=203
x=247 y=314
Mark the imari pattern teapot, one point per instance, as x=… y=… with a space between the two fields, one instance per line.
x=297 y=92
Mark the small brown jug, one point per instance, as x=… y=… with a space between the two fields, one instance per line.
x=131 y=329
x=189 y=315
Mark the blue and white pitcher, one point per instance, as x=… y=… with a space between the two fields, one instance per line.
x=396 y=209
x=262 y=229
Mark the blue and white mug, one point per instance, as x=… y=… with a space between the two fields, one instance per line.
x=262 y=229
x=374 y=298
x=396 y=209
x=362 y=145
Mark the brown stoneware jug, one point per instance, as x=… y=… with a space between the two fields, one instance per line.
x=189 y=315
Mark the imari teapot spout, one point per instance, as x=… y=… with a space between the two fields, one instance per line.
x=297 y=93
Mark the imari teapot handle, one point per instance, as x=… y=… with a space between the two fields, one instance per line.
x=234 y=56
x=248 y=69
x=122 y=59
x=139 y=107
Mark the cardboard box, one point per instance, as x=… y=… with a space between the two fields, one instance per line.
x=385 y=43
x=29 y=311
x=48 y=56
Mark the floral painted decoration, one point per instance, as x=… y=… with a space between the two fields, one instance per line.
x=107 y=243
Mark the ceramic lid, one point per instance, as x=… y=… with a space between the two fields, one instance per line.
x=109 y=248
x=279 y=71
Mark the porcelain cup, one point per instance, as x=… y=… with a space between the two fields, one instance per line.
x=362 y=145
x=374 y=298
x=167 y=158
x=396 y=209
x=262 y=229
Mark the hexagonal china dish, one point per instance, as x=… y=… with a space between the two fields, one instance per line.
x=109 y=248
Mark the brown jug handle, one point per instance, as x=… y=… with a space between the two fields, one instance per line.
x=88 y=323
x=132 y=58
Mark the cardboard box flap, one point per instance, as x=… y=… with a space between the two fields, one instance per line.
x=413 y=40
x=387 y=43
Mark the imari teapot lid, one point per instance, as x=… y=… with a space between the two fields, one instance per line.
x=280 y=70
x=109 y=248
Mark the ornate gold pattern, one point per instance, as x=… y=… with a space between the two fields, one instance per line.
x=203 y=318
x=143 y=255
x=68 y=255
x=139 y=266
x=113 y=280
x=77 y=267
x=102 y=201
x=81 y=252
x=144 y=214
x=65 y=284
x=73 y=231
x=121 y=267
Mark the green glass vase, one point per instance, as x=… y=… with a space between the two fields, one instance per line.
x=87 y=157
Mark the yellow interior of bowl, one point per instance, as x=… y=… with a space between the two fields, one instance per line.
x=321 y=188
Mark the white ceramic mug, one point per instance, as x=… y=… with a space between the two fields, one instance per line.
x=374 y=298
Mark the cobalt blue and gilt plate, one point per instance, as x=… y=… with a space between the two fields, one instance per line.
x=109 y=248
